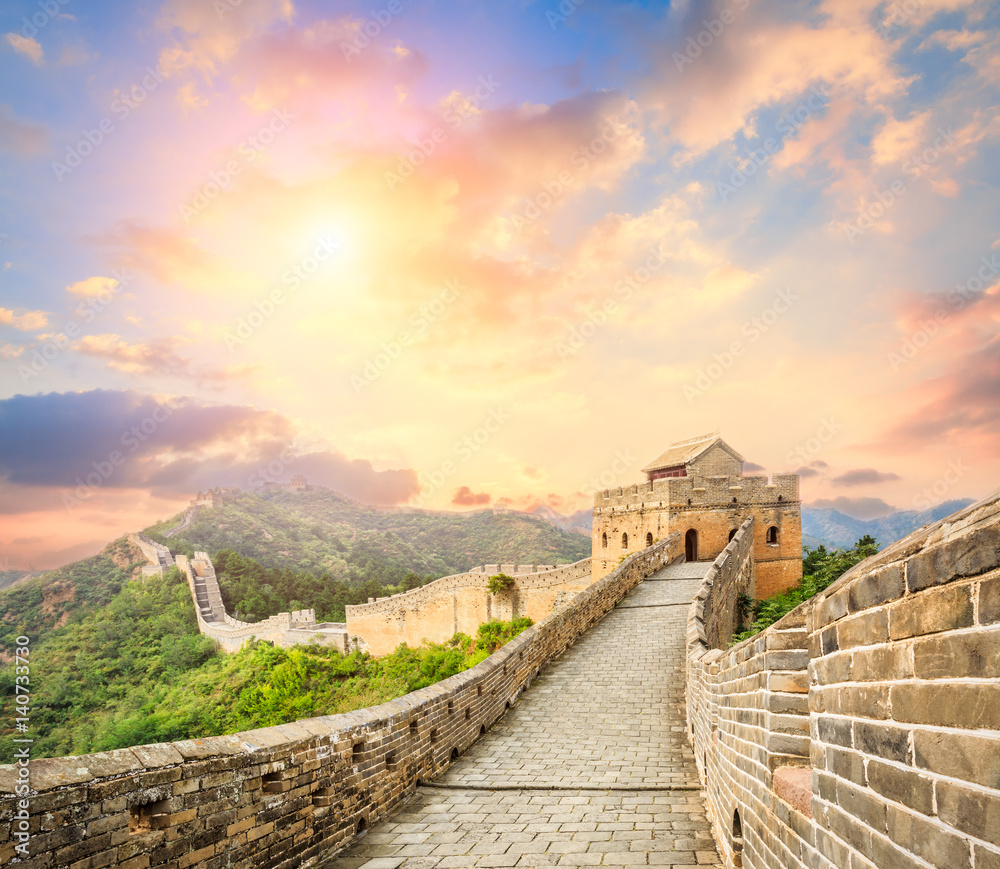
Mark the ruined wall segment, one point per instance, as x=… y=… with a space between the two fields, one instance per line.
x=862 y=731
x=282 y=796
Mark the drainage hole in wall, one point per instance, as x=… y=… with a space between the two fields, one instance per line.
x=152 y=816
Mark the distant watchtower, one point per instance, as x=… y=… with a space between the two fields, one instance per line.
x=697 y=487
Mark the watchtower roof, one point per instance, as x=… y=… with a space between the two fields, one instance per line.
x=685 y=452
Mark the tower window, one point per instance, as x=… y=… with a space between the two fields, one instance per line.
x=732 y=534
x=624 y=541
x=649 y=538
x=604 y=541
x=772 y=536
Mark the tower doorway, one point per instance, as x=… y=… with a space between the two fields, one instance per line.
x=691 y=545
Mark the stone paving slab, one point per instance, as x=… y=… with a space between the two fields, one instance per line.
x=586 y=759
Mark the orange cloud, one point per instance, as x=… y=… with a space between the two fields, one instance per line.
x=26 y=321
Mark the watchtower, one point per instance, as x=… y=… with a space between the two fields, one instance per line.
x=698 y=487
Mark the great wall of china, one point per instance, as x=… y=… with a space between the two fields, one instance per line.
x=862 y=731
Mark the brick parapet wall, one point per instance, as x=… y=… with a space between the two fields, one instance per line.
x=460 y=603
x=863 y=729
x=478 y=578
x=703 y=491
x=279 y=796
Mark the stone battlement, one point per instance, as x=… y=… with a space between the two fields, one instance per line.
x=861 y=729
x=698 y=492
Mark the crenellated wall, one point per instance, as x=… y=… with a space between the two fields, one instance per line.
x=283 y=629
x=280 y=796
x=462 y=602
x=862 y=731
x=713 y=507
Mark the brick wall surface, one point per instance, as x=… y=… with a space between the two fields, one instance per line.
x=462 y=602
x=863 y=729
x=280 y=796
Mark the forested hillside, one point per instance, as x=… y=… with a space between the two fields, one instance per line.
x=320 y=531
x=135 y=670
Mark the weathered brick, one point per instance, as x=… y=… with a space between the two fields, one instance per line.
x=989 y=601
x=864 y=629
x=973 y=553
x=927 y=840
x=965 y=756
x=902 y=786
x=943 y=609
x=876 y=588
x=963 y=704
x=974 y=812
x=881 y=740
x=970 y=654
x=882 y=663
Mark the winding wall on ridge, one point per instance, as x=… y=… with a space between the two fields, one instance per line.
x=281 y=796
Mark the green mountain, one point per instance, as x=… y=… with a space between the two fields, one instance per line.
x=41 y=603
x=320 y=531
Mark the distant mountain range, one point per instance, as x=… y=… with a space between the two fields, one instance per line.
x=324 y=532
x=831 y=528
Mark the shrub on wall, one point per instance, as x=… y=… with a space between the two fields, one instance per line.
x=500 y=583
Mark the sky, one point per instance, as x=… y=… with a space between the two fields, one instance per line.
x=442 y=254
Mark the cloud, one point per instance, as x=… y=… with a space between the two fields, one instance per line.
x=753 y=467
x=204 y=39
x=864 y=476
x=858 y=508
x=92 y=288
x=26 y=321
x=25 y=45
x=806 y=471
x=21 y=139
x=770 y=54
x=107 y=440
x=157 y=357
x=465 y=497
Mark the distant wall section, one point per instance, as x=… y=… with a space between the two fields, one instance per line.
x=463 y=602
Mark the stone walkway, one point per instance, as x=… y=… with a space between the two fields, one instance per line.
x=590 y=768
